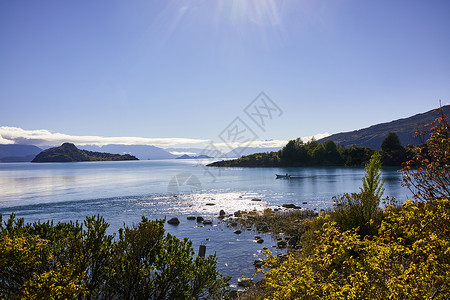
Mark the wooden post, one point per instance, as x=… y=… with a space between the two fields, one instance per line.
x=202 y=251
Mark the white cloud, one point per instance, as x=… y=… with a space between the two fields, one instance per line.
x=259 y=144
x=15 y=135
x=317 y=137
x=5 y=141
x=270 y=143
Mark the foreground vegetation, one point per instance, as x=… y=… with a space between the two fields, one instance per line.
x=72 y=261
x=360 y=251
x=407 y=258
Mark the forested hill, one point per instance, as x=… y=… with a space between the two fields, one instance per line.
x=373 y=136
x=68 y=152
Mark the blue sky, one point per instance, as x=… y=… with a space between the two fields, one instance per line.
x=186 y=69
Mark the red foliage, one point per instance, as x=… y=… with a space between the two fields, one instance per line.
x=426 y=174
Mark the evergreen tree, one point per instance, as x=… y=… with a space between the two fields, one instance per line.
x=393 y=153
x=391 y=142
x=372 y=182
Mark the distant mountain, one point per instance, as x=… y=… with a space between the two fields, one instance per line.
x=18 y=153
x=68 y=152
x=195 y=151
x=185 y=156
x=373 y=136
x=142 y=152
x=243 y=151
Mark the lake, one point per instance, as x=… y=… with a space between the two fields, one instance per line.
x=122 y=192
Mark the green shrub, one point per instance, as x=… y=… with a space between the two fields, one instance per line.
x=361 y=211
x=69 y=260
x=357 y=211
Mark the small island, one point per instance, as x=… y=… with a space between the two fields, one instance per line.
x=68 y=152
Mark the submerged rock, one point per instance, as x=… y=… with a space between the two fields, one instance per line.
x=289 y=205
x=190 y=218
x=207 y=222
x=174 y=221
x=237 y=231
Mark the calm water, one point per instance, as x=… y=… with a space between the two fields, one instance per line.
x=122 y=192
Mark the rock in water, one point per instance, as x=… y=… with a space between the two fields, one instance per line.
x=281 y=244
x=174 y=221
x=258 y=263
x=245 y=282
x=289 y=205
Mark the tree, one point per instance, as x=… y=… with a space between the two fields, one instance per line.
x=360 y=211
x=356 y=156
x=393 y=153
x=332 y=153
x=294 y=152
x=391 y=142
x=427 y=173
x=372 y=182
x=319 y=154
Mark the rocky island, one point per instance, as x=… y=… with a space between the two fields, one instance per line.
x=68 y=152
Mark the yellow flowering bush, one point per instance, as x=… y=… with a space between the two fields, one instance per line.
x=409 y=258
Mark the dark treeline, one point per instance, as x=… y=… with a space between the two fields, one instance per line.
x=297 y=153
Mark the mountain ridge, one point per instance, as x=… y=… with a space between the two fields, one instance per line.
x=18 y=152
x=373 y=135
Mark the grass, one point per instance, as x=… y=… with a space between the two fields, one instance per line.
x=277 y=223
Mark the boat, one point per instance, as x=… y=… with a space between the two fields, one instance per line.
x=287 y=176
x=283 y=176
